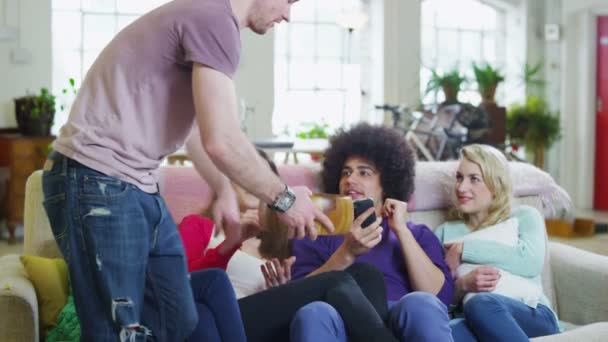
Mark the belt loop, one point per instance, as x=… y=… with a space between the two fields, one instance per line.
x=64 y=164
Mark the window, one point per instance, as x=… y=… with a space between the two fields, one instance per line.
x=457 y=33
x=317 y=76
x=81 y=29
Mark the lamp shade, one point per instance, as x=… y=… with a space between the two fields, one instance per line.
x=352 y=20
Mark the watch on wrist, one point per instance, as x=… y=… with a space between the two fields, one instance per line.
x=284 y=200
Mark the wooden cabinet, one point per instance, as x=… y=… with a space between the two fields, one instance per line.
x=22 y=156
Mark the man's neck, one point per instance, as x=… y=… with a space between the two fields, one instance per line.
x=240 y=8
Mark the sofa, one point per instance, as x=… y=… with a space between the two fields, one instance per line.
x=574 y=280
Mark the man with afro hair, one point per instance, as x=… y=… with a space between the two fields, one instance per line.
x=377 y=162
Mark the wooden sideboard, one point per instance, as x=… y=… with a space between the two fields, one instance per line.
x=22 y=156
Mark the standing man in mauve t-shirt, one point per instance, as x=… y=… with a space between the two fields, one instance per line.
x=137 y=104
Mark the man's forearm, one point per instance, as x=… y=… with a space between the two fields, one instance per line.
x=338 y=261
x=422 y=273
x=203 y=164
x=241 y=163
x=221 y=136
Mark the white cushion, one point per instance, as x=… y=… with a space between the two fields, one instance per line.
x=509 y=284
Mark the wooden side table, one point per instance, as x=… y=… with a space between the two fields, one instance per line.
x=22 y=155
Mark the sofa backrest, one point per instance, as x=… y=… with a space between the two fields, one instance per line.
x=185 y=192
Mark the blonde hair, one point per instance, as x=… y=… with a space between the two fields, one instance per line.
x=495 y=173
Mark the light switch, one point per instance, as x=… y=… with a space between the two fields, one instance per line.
x=21 y=56
x=552 y=33
x=8 y=33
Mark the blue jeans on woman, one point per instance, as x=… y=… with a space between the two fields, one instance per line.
x=417 y=316
x=492 y=317
x=124 y=254
x=218 y=311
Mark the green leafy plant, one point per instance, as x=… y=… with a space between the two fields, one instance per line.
x=533 y=125
x=35 y=113
x=313 y=130
x=487 y=78
x=530 y=77
x=450 y=83
x=38 y=104
x=71 y=90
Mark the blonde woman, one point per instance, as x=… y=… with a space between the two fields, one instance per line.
x=496 y=254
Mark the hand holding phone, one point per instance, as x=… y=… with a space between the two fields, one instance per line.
x=360 y=206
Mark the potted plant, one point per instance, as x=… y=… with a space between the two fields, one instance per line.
x=530 y=78
x=533 y=125
x=488 y=79
x=35 y=113
x=314 y=130
x=449 y=82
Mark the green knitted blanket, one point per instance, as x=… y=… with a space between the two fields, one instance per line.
x=68 y=325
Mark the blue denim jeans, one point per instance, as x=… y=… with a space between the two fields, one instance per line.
x=218 y=310
x=417 y=316
x=125 y=257
x=492 y=317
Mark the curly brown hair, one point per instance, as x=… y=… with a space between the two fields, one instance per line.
x=384 y=147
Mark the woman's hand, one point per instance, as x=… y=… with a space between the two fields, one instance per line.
x=360 y=240
x=396 y=212
x=226 y=215
x=277 y=272
x=482 y=279
x=250 y=224
x=453 y=256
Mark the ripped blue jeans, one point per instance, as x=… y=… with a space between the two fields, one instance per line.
x=125 y=257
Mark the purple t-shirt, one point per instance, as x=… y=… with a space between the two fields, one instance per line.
x=135 y=105
x=387 y=256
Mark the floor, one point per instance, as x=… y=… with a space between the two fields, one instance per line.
x=5 y=248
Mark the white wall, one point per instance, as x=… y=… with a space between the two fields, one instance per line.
x=402 y=52
x=255 y=82
x=578 y=88
x=33 y=20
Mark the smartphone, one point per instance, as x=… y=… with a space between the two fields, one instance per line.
x=360 y=206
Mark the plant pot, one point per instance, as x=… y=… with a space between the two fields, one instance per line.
x=557 y=227
x=30 y=124
x=488 y=94
x=451 y=94
x=539 y=157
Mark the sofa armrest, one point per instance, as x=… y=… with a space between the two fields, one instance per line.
x=581 y=284
x=18 y=304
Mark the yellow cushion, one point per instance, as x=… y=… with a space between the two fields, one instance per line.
x=50 y=279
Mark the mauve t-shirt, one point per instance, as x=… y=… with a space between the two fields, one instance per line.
x=135 y=105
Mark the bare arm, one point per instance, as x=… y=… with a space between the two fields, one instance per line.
x=231 y=152
x=227 y=146
x=203 y=164
x=423 y=274
x=358 y=242
x=339 y=261
x=225 y=209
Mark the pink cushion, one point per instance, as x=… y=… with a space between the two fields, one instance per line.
x=185 y=192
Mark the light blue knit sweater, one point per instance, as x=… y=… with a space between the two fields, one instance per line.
x=526 y=259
